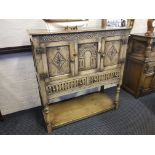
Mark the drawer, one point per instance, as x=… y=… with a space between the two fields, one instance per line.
x=63 y=87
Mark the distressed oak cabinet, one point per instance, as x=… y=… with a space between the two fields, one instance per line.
x=139 y=76
x=71 y=61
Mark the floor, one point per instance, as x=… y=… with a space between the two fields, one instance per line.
x=134 y=117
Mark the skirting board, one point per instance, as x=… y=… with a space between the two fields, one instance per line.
x=17 y=49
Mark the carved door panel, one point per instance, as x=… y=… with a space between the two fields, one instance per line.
x=88 y=56
x=111 y=49
x=58 y=59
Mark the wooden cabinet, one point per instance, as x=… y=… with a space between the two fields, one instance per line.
x=72 y=61
x=139 y=76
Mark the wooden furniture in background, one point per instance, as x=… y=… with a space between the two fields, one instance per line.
x=150 y=27
x=139 y=76
x=72 y=61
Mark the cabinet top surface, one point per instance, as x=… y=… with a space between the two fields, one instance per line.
x=35 y=32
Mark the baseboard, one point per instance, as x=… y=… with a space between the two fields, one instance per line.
x=17 y=49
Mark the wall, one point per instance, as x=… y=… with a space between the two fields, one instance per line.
x=140 y=26
x=13 y=32
x=18 y=86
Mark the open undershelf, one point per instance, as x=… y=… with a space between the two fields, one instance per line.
x=82 y=107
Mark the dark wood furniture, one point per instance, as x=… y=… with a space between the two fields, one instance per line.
x=139 y=76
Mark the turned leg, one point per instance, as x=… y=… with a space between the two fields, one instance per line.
x=102 y=89
x=1 y=117
x=117 y=96
x=47 y=119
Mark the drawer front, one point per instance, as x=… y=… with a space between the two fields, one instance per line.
x=63 y=87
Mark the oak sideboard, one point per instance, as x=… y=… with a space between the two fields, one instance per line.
x=67 y=62
x=139 y=75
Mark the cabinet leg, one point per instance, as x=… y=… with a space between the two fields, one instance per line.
x=102 y=89
x=47 y=119
x=117 y=97
x=1 y=117
x=49 y=128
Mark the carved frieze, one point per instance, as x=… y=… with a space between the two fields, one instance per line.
x=81 y=35
x=86 y=81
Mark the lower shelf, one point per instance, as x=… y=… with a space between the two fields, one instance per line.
x=79 y=108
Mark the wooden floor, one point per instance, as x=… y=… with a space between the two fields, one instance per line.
x=79 y=108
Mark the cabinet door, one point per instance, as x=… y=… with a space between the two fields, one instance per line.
x=88 y=56
x=111 y=52
x=57 y=59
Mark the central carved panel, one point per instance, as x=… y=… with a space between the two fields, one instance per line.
x=87 y=56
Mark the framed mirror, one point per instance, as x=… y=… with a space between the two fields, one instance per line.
x=117 y=23
x=65 y=24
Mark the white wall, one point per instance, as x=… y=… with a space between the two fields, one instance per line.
x=18 y=86
x=13 y=32
x=140 y=26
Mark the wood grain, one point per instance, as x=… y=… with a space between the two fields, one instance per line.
x=79 y=108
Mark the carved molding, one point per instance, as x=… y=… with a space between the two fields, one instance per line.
x=82 y=35
x=149 y=68
x=57 y=88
